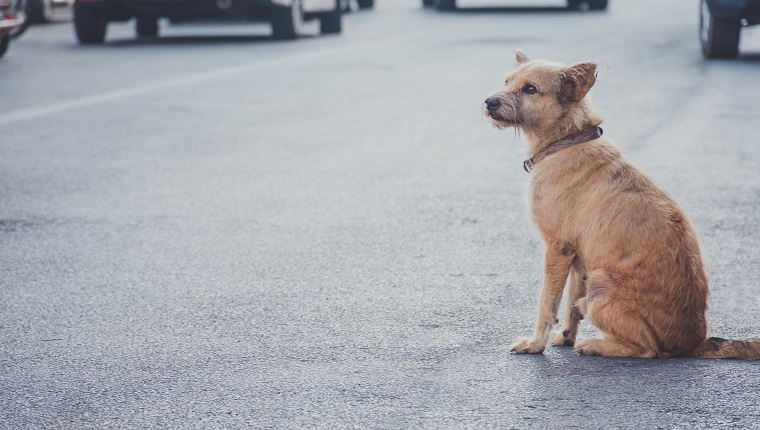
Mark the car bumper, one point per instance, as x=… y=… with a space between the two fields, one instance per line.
x=9 y=22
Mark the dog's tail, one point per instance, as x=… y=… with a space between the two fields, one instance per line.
x=715 y=347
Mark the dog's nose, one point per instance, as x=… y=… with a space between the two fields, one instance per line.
x=492 y=103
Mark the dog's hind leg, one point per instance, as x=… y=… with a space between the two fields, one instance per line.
x=611 y=348
x=611 y=307
x=573 y=316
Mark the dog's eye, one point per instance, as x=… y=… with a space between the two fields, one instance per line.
x=530 y=89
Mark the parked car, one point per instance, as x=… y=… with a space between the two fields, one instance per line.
x=12 y=16
x=720 y=25
x=91 y=17
x=573 y=4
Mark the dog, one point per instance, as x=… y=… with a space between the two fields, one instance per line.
x=626 y=251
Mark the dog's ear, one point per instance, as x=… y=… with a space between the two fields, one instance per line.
x=520 y=56
x=577 y=81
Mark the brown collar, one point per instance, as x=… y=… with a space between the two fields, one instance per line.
x=565 y=142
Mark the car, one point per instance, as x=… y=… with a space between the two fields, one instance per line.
x=91 y=17
x=12 y=16
x=720 y=25
x=572 y=4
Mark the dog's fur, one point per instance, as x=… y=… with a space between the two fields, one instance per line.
x=630 y=253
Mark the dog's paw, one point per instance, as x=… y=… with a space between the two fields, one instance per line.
x=562 y=338
x=527 y=346
x=587 y=347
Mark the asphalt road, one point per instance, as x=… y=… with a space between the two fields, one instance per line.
x=217 y=230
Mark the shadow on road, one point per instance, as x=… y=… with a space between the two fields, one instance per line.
x=750 y=57
x=199 y=40
x=512 y=10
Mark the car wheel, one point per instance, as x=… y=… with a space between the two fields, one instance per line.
x=427 y=3
x=331 y=22
x=287 y=21
x=366 y=4
x=597 y=4
x=89 y=25
x=4 y=42
x=587 y=4
x=40 y=11
x=146 y=26
x=720 y=39
x=446 y=4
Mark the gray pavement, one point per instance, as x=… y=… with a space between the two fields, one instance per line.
x=217 y=230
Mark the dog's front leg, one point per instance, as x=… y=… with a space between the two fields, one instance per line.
x=573 y=315
x=559 y=256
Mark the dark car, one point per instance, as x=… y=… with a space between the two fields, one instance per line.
x=91 y=17
x=12 y=16
x=720 y=25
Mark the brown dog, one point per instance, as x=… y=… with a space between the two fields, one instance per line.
x=631 y=255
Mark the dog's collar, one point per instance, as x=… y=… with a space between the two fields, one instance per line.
x=559 y=145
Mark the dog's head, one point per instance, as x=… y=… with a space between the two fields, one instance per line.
x=541 y=95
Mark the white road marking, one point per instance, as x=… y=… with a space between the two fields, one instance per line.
x=190 y=79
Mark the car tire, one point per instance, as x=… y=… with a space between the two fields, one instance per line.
x=287 y=21
x=719 y=38
x=446 y=4
x=597 y=4
x=90 y=26
x=332 y=22
x=5 y=41
x=590 y=4
x=366 y=4
x=427 y=3
x=146 y=27
x=40 y=11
